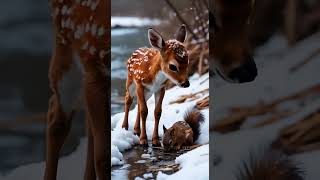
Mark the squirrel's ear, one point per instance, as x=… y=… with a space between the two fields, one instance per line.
x=164 y=129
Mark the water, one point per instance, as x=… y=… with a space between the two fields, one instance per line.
x=124 y=42
x=140 y=161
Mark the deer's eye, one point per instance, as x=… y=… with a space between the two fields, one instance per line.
x=173 y=68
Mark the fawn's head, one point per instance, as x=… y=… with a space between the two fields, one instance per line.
x=229 y=43
x=174 y=56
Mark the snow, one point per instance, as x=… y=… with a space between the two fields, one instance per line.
x=70 y=167
x=194 y=164
x=274 y=81
x=133 y=21
x=170 y=114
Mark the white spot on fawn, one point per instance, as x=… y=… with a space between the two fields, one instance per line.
x=94 y=5
x=87 y=27
x=92 y=50
x=85 y=46
x=64 y=9
x=100 y=31
x=94 y=29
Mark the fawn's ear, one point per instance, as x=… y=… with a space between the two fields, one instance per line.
x=182 y=34
x=155 y=39
x=164 y=129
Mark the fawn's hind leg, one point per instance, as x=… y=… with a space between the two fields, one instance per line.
x=97 y=106
x=59 y=114
x=143 y=113
x=90 y=173
x=128 y=102
x=137 y=123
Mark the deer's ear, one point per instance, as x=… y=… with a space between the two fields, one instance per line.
x=155 y=39
x=164 y=129
x=182 y=34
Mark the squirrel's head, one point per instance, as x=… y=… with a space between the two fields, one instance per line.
x=167 y=139
x=173 y=135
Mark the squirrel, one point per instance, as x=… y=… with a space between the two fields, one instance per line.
x=183 y=133
x=272 y=165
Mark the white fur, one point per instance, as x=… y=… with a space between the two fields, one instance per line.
x=152 y=88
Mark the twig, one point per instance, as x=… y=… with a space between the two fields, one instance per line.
x=180 y=18
x=192 y=96
x=305 y=61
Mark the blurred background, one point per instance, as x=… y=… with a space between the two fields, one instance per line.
x=129 y=32
x=280 y=109
x=25 y=50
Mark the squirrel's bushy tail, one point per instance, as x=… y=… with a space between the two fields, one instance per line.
x=271 y=165
x=194 y=117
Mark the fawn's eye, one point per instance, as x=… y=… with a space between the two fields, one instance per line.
x=172 y=67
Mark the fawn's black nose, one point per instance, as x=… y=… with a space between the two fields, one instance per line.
x=245 y=73
x=185 y=84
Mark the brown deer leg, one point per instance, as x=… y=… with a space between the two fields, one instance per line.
x=143 y=114
x=95 y=85
x=137 y=123
x=59 y=124
x=157 y=114
x=58 y=121
x=90 y=173
x=128 y=103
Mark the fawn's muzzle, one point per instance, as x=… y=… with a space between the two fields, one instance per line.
x=185 y=84
x=245 y=73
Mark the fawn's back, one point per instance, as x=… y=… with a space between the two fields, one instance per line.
x=83 y=26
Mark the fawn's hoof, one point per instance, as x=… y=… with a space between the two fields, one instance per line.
x=156 y=143
x=125 y=127
x=136 y=132
x=144 y=142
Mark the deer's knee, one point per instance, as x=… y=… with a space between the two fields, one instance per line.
x=128 y=100
x=157 y=113
x=59 y=128
x=144 y=112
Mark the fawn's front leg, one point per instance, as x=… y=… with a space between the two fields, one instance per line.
x=143 y=114
x=158 y=97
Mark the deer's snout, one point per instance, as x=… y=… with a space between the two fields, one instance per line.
x=185 y=84
x=247 y=72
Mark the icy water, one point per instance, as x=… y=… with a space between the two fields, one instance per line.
x=145 y=163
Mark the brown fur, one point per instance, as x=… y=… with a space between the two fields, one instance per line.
x=230 y=49
x=271 y=166
x=183 y=133
x=93 y=49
